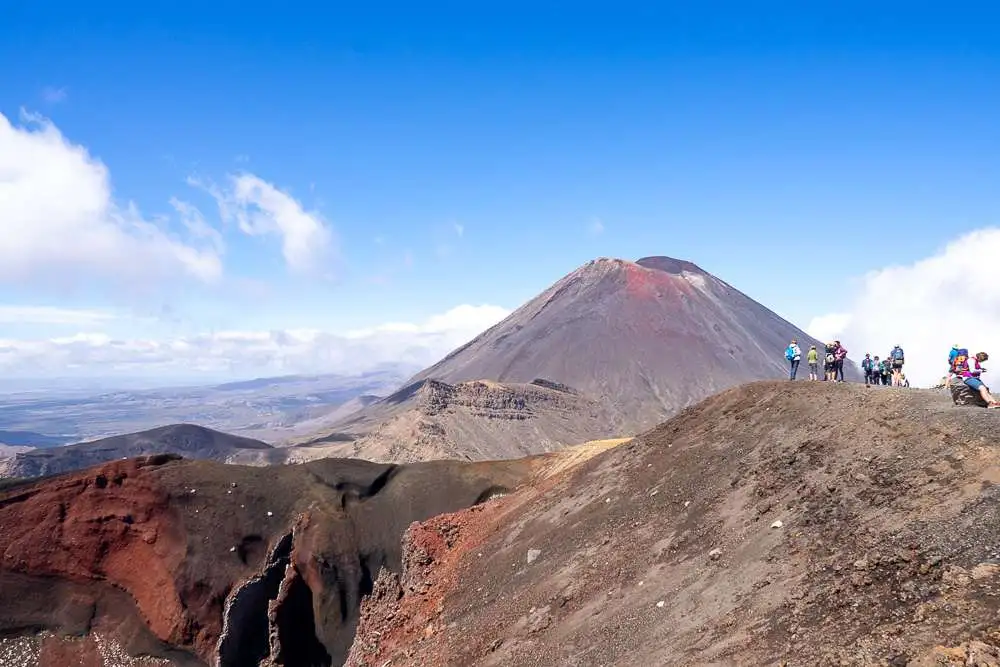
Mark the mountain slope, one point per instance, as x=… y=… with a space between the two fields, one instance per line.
x=772 y=524
x=188 y=440
x=642 y=339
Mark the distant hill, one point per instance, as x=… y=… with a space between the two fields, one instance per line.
x=641 y=340
x=188 y=440
x=32 y=439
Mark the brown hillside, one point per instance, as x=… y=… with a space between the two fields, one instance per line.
x=479 y=420
x=641 y=339
x=667 y=550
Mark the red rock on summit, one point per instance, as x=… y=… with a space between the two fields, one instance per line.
x=635 y=341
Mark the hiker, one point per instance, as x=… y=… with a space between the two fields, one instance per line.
x=794 y=356
x=866 y=366
x=970 y=369
x=897 y=365
x=885 y=371
x=812 y=357
x=829 y=364
x=838 y=360
x=904 y=381
x=876 y=371
x=951 y=366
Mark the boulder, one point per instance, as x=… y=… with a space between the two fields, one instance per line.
x=961 y=394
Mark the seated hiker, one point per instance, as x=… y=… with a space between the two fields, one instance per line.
x=971 y=370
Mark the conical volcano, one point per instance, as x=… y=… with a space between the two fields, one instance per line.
x=648 y=337
x=634 y=342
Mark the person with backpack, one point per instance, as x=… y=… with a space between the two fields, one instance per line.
x=866 y=366
x=812 y=357
x=951 y=366
x=839 y=354
x=971 y=370
x=886 y=371
x=830 y=363
x=876 y=371
x=794 y=356
x=897 y=365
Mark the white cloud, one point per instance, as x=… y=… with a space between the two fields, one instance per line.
x=249 y=352
x=259 y=208
x=926 y=307
x=59 y=223
x=596 y=227
x=459 y=228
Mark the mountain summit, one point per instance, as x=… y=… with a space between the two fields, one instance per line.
x=633 y=343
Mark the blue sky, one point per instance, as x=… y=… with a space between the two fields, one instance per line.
x=788 y=150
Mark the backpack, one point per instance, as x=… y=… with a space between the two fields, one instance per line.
x=897 y=354
x=829 y=357
x=961 y=361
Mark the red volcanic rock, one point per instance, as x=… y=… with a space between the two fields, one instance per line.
x=200 y=563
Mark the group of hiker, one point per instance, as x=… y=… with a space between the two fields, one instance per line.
x=889 y=370
x=833 y=361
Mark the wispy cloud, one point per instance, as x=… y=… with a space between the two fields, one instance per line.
x=54 y=95
x=459 y=228
x=259 y=208
x=595 y=227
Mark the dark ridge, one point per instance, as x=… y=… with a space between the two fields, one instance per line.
x=670 y=265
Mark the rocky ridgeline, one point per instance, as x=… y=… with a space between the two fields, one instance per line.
x=494 y=400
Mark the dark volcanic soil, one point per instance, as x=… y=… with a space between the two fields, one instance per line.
x=639 y=339
x=165 y=557
x=776 y=523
